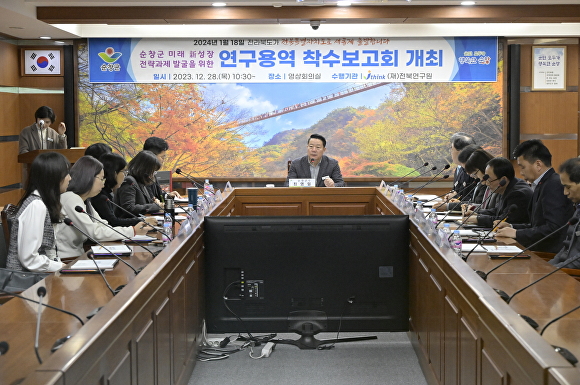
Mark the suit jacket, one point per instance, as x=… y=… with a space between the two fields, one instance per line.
x=548 y=210
x=461 y=181
x=107 y=211
x=517 y=192
x=571 y=249
x=29 y=139
x=135 y=198
x=300 y=168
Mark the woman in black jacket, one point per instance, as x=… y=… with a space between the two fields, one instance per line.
x=133 y=195
x=114 y=168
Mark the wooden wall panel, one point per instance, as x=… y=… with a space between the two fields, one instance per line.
x=10 y=68
x=10 y=118
x=272 y=209
x=545 y=112
x=339 y=209
x=29 y=103
x=450 y=346
x=561 y=150
x=12 y=196
x=163 y=343
x=145 y=356
x=11 y=171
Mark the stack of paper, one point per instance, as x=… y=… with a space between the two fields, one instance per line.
x=467 y=247
x=87 y=264
x=112 y=249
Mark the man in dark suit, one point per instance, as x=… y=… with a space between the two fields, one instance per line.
x=461 y=179
x=315 y=165
x=515 y=191
x=570 y=179
x=549 y=208
x=159 y=147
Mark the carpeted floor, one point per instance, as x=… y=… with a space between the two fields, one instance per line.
x=389 y=360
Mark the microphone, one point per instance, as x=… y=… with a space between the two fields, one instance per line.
x=472 y=186
x=41 y=292
x=190 y=178
x=4 y=347
x=79 y=209
x=44 y=304
x=140 y=217
x=434 y=176
x=414 y=192
x=510 y=210
x=502 y=183
x=460 y=202
x=91 y=256
x=406 y=175
x=571 y=222
x=563 y=351
x=541 y=278
x=412 y=179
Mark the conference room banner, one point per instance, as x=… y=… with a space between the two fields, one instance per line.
x=452 y=59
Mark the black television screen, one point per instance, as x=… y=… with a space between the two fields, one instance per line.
x=264 y=268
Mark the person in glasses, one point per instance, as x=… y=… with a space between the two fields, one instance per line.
x=514 y=191
x=549 y=208
x=475 y=166
x=133 y=194
x=87 y=180
x=159 y=147
x=32 y=244
x=114 y=167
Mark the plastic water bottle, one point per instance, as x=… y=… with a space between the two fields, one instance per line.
x=456 y=242
x=190 y=212
x=432 y=219
x=207 y=187
x=419 y=216
x=167 y=228
x=445 y=234
x=394 y=191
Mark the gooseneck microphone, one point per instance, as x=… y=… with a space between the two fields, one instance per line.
x=510 y=210
x=91 y=255
x=140 y=217
x=190 y=178
x=449 y=211
x=434 y=176
x=415 y=177
x=563 y=351
x=571 y=222
x=44 y=304
x=543 y=277
x=79 y=209
x=406 y=175
x=414 y=192
x=4 y=347
x=502 y=183
x=41 y=292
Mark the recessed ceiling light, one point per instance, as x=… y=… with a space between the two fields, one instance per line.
x=45 y=37
x=218 y=4
x=342 y=3
x=468 y=3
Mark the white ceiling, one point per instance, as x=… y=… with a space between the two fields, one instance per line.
x=18 y=20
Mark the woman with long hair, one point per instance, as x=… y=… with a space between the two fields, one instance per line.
x=32 y=237
x=133 y=194
x=88 y=179
x=114 y=166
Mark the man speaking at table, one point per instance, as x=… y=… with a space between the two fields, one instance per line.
x=315 y=165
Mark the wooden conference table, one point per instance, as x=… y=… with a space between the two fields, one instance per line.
x=149 y=333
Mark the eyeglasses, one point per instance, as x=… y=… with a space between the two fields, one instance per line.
x=102 y=179
x=493 y=180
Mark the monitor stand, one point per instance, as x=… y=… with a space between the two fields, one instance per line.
x=308 y=323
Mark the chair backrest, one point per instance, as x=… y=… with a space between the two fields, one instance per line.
x=8 y=212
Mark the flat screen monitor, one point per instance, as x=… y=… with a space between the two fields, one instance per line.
x=258 y=270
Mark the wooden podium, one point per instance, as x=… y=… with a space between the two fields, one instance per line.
x=71 y=154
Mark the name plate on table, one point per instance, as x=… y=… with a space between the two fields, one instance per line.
x=301 y=182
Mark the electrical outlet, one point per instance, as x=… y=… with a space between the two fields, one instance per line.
x=267 y=349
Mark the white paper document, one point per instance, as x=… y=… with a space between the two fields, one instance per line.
x=493 y=249
x=87 y=264
x=113 y=249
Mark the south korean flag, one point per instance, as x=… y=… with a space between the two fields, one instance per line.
x=42 y=62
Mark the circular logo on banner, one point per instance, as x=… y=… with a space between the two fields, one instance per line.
x=42 y=62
